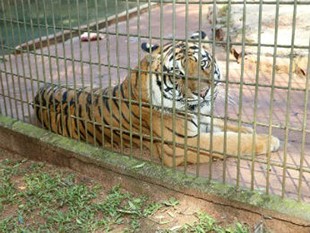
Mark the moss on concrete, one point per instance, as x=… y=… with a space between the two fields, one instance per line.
x=6 y=121
x=157 y=174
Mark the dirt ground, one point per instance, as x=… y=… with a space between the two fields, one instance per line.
x=285 y=173
x=168 y=218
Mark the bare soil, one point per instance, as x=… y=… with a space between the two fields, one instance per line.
x=171 y=218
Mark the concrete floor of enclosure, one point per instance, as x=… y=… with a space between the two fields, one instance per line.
x=288 y=172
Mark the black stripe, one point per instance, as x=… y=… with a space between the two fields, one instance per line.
x=88 y=111
x=137 y=79
x=194 y=47
x=194 y=123
x=127 y=105
x=105 y=121
x=82 y=135
x=89 y=98
x=64 y=96
x=117 y=104
x=105 y=101
x=114 y=95
x=108 y=107
x=58 y=123
x=166 y=47
x=79 y=92
x=99 y=110
x=50 y=118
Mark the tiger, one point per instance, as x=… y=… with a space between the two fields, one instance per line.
x=168 y=99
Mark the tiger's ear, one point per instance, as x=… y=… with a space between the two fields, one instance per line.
x=148 y=47
x=198 y=34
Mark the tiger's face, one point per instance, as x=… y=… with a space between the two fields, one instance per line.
x=185 y=75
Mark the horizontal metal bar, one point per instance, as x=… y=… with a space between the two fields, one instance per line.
x=78 y=31
x=147 y=137
x=219 y=2
x=145 y=104
x=153 y=72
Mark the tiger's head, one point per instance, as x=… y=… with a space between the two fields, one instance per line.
x=183 y=75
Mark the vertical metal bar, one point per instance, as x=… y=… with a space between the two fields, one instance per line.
x=173 y=78
x=139 y=79
x=26 y=31
x=15 y=74
x=304 y=128
x=199 y=88
x=228 y=46
x=81 y=63
x=57 y=75
x=65 y=59
x=4 y=67
x=99 y=73
x=241 y=93
x=212 y=87
x=288 y=103
x=128 y=75
x=65 y=62
x=120 y=129
x=162 y=70
x=70 y=119
x=260 y=11
x=42 y=57
x=9 y=58
x=23 y=63
x=48 y=50
x=35 y=61
x=91 y=82
x=109 y=71
x=150 y=81
x=19 y=77
x=186 y=85
x=272 y=89
x=2 y=86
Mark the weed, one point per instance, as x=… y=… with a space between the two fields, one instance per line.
x=171 y=202
x=152 y=208
x=206 y=223
x=34 y=198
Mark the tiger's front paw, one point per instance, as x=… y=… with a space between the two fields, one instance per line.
x=263 y=142
x=274 y=144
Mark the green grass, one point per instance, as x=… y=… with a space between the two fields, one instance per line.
x=206 y=223
x=39 y=198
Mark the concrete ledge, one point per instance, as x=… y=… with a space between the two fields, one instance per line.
x=141 y=176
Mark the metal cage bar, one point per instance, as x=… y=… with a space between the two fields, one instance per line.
x=56 y=55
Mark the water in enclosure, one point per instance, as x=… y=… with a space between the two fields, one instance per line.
x=22 y=21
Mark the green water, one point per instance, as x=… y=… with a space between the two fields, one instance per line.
x=24 y=20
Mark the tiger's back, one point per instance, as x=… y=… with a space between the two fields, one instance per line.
x=114 y=115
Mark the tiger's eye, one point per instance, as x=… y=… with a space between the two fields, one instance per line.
x=203 y=63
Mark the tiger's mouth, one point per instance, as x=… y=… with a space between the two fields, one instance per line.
x=203 y=98
x=194 y=106
x=203 y=92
